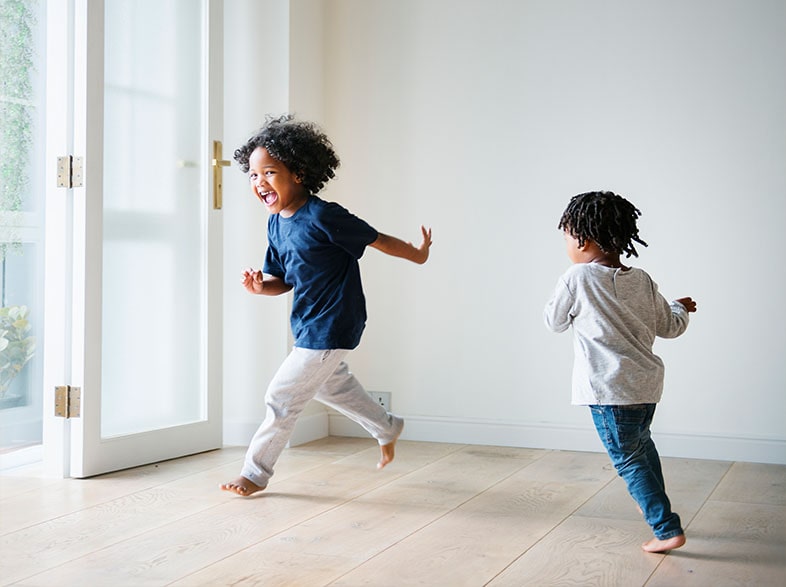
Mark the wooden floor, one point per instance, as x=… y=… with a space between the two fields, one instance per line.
x=440 y=515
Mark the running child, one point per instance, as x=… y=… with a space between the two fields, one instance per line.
x=616 y=312
x=313 y=249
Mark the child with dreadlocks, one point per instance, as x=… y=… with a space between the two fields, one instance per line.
x=616 y=313
x=313 y=249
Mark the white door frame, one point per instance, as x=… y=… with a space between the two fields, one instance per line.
x=72 y=338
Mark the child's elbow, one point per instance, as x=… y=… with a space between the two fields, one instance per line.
x=555 y=325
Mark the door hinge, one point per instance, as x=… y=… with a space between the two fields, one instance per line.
x=69 y=172
x=68 y=401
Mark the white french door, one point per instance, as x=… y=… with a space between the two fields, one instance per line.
x=133 y=254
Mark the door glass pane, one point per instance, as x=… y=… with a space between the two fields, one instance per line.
x=22 y=147
x=154 y=216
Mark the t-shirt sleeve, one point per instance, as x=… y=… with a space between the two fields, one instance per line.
x=346 y=230
x=273 y=265
x=557 y=313
x=672 y=318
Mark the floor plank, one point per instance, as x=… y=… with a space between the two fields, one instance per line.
x=358 y=530
x=753 y=483
x=96 y=526
x=475 y=541
x=440 y=514
x=730 y=544
x=25 y=509
x=689 y=483
x=176 y=549
x=584 y=551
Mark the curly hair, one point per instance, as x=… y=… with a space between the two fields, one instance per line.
x=301 y=146
x=603 y=217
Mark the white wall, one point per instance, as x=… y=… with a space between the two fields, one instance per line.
x=481 y=119
x=273 y=64
x=255 y=328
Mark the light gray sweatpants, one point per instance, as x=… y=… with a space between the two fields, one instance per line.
x=322 y=375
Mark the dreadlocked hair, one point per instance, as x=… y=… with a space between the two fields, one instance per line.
x=603 y=217
x=301 y=146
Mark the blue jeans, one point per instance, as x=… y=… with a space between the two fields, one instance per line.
x=625 y=432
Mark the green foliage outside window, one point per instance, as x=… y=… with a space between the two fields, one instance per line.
x=17 y=25
x=17 y=109
x=16 y=344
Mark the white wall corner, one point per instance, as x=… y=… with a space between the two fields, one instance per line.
x=312 y=425
x=309 y=428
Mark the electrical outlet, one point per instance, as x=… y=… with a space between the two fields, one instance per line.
x=382 y=398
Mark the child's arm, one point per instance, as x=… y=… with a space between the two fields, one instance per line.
x=557 y=313
x=257 y=282
x=390 y=245
x=672 y=318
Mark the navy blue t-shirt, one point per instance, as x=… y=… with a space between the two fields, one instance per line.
x=316 y=251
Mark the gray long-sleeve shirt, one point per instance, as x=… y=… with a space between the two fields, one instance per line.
x=616 y=315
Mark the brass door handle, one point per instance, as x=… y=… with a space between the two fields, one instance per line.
x=218 y=163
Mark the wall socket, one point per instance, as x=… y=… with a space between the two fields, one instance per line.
x=382 y=398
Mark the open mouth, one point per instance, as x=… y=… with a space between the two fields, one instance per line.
x=268 y=197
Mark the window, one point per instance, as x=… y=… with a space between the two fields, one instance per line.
x=22 y=109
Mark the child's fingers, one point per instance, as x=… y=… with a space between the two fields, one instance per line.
x=250 y=275
x=689 y=304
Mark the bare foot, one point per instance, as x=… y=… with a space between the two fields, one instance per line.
x=241 y=486
x=388 y=451
x=658 y=545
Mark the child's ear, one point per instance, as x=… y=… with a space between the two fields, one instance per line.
x=586 y=246
x=298 y=180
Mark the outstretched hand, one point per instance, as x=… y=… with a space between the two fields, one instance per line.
x=689 y=304
x=390 y=245
x=425 y=246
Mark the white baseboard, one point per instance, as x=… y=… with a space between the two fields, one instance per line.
x=308 y=428
x=525 y=435
x=722 y=448
x=496 y=433
x=21 y=457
